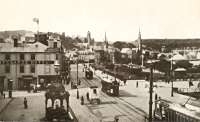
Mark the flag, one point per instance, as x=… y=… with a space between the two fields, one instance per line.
x=36 y=20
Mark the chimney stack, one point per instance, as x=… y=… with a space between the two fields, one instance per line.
x=15 y=42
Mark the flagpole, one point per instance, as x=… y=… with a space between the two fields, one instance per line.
x=38 y=30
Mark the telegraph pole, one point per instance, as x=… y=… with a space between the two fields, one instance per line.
x=172 y=92
x=151 y=93
x=77 y=71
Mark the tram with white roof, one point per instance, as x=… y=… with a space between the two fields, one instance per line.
x=110 y=87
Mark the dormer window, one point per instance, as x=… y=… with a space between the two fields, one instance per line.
x=55 y=45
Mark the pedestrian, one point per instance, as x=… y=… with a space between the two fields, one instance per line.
x=156 y=96
x=137 y=84
x=82 y=100
x=77 y=94
x=87 y=95
x=124 y=82
x=25 y=103
x=79 y=82
x=116 y=119
x=190 y=84
x=4 y=95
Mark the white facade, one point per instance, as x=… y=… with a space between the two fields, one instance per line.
x=26 y=64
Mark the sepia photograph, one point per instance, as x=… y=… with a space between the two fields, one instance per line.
x=100 y=61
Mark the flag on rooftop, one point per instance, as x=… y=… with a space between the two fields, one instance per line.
x=36 y=20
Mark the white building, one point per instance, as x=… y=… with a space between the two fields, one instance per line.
x=27 y=63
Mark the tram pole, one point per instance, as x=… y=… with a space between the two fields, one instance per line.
x=77 y=71
x=172 y=92
x=150 y=93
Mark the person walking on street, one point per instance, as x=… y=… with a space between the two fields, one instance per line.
x=156 y=96
x=124 y=82
x=25 y=103
x=82 y=100
x=87 y=95
x=137 y=84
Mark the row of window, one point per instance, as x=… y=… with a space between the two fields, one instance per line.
x=22 y=57
x=26 y=62
x=21 y=69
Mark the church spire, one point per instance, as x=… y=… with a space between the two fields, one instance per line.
x=139 y=41
x=106 y=41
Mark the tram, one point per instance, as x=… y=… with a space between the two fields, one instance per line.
x=166 y=111
x=55 y=99
x=110 y=87
x=89 y=74
x=94 y=95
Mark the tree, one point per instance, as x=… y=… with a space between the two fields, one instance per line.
x=119 y=45
x=163 y=66
x=117 y=57
x=183 y=64
x=130 y=45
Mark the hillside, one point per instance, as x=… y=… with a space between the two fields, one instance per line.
x=6 y=34
x=171 y=43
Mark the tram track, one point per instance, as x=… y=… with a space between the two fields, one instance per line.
x=131 y=113
x=118 y=108
x=124 y=108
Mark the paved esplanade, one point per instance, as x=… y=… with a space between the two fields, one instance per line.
x=15 y=110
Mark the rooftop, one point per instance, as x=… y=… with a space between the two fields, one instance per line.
x=35 y=47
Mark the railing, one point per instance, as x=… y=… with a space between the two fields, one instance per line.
x=188 y=90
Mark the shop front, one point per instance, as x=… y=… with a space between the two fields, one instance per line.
x=26 y=82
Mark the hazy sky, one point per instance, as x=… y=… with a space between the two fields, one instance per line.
x=120 y=19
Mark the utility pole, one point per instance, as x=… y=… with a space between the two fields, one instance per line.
x=172 y=92
x=151 y=93
x=77 y=72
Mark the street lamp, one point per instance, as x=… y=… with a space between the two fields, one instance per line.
x=151 y=88
x=77 y=80
x=56 y=67
x=172 y=92
x=77 y=72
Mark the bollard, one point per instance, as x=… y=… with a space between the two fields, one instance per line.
x=137 y=84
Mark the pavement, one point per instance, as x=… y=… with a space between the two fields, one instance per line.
x=15 y=110
x=16 y=94
x=82 y=113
